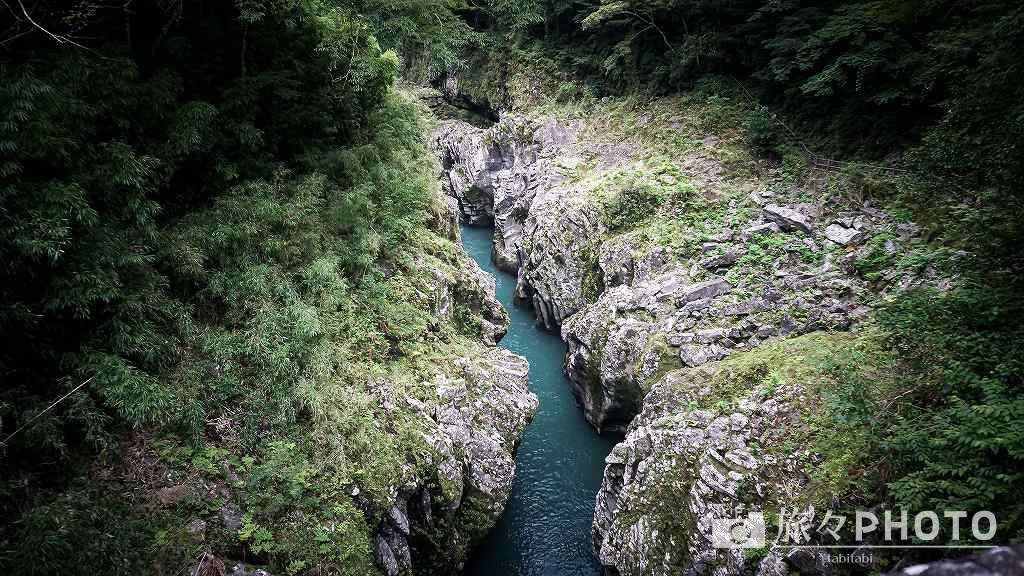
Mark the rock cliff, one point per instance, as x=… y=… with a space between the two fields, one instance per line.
x=661 y=253
x=475 y=413
x=481 y=411
x=703 y=448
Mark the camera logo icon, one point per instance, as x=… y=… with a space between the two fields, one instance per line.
x=738 y=532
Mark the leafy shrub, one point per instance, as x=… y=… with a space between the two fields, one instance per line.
x=879 y=257
x=958 y=442
x=926 y=413
x=762 y=131
x=87 y=531
x=631 y=195
x=631 y=206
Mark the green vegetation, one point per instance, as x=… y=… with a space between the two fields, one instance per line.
x=938 y=70
x=754 y=268
x=958 y=439
x=631 y=196
x=925 y=411
x=920 y=411
x=878 y=258
x=217 y=228
x=218 y=231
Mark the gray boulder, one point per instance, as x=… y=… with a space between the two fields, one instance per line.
x=788 y=218
x=842 y=235
x=1000 y=561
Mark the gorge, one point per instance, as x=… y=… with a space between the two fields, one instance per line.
x=546 y=525
x=511 y=287
x=714 y=348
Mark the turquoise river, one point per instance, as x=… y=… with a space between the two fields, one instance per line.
x=546 y=525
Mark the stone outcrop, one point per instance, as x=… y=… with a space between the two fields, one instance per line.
x=790 y=218
x=558 y=269
x=466 y=167
x=472 y=288
x=700 y=309
x=606 y=354
x=479 y=415
x=649 y=321
x=679 y=467
x=492 y=175
x=682 y=466
x=514 y=176
x=472 y=423
x=842 y=235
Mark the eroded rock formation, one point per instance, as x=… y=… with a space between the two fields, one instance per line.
x=649 y=319
x=481 y=412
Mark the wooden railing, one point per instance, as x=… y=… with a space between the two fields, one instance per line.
x=831 y=165
x=820 y=162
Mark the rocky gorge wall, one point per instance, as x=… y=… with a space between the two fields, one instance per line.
x=720 y=260
x=443 y=472
x=474 y=429
x=472 y=423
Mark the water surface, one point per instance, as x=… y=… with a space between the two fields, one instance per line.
x=546 y=525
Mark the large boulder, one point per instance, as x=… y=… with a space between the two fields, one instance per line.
x=472 y=288
x=607 y=359
x=702 y=448
x=685 y=317
x=790 y=218
x=474 y=426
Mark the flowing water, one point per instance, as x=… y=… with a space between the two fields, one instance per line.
x=546 y=525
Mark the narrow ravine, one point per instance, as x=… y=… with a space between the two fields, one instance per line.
x=546 y=525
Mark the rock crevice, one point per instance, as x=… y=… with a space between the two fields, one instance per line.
x=647 y=319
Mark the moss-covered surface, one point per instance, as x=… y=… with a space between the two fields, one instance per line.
x=666 y=513
x=349 y=361
x=668 y=359
x=674 y=172
x=669 y=171
x=809 y=454
x=814 y=372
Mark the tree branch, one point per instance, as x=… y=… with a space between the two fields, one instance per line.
x=650 y=24
x=59 y=38
x=47 y=409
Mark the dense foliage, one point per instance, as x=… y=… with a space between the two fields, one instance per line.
x=205 y=210
x=925 y=413
x=206 y=219
x=940 y=70
x=960 y=443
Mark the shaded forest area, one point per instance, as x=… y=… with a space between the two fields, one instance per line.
x=200 y=206
x=194 y=196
